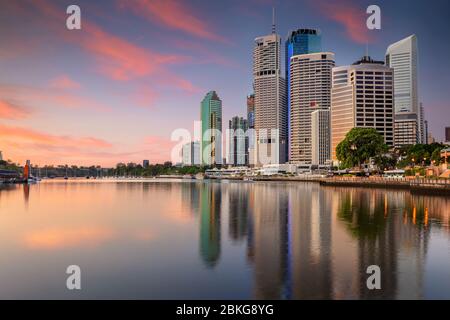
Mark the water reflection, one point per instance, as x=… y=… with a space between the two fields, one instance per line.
x=298 y=241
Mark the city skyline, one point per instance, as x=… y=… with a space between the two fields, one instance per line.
x=115 y=90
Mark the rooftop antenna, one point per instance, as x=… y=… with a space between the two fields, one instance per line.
x=367 y=49
x=273 y=20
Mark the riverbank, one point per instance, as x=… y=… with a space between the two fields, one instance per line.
x=423 y=186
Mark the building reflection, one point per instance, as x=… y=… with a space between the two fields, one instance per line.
x=211 y=206
x=305 y=241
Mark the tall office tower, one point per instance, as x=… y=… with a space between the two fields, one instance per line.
x=251 y=111
x=310 y=89
x=402 y=57
x=190 y=154
x=238 y=142
x=270 y=100
x=211 y=118
x=300 y=41
x=361 y=96
x=320 y=137
x=425 y=132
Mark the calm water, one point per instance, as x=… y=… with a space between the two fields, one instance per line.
x=210 y=240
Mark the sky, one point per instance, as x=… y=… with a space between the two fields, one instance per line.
x=115 y=90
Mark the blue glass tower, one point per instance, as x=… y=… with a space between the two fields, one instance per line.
x=300 y=41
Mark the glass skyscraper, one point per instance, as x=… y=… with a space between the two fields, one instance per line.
x=300 y=41
x=211 y=117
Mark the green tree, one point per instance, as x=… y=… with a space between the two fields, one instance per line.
x=359 y=145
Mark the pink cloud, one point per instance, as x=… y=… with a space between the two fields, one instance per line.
x=348 y=14
x=11 y=111
x=64 y=82
x=173 y=14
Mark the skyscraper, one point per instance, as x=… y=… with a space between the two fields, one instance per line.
x=238 y=142
x=270 y=100
x=191 y=154
x=320 y=136
x=300 y=41
x=402 y=57
x=361 y=96
x=211 y=118
x=310 y=90
x=422 y=133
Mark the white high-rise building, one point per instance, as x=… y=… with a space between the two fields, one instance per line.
x=270 y=101
x=320 y=137
x=361 y=96
x=310 y=90
x=402 y=56
x=191 y=154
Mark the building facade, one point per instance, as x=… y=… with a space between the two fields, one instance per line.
x=251 y=111
x=211 y=119
x=402 y=56
x=238 y=142
x=447 y=134
x=405 y=129
x=310 y=90
x=270 y=101
x=190 y=154
x=300 y=41
x=320 y=137
x=362 y=96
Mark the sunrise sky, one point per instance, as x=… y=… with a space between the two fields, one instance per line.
x=115 y=90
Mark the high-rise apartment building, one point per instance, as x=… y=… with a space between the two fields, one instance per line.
x=190 y=154
x=362 y=96
x=270 y=101
x=310 y=90
x=300 y=41
x=211 y=118
x=320 y=137
x=238 y=142
x=402 y=56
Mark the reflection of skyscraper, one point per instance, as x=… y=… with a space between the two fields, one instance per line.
x=269 y=242
x=238 y=205
x=211 y=201
x=310 y=269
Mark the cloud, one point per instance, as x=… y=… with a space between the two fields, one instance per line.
x=175 y=15
x=62 y=238
x=348 y=14
x=46 y=139
x=64 y=82
x=11 y=111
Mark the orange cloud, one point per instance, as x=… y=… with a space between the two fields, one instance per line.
x=11 y=111
x=64 y=82
x=349 y=15
x=173 y=14
x=33 y=136
x=55 y=239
